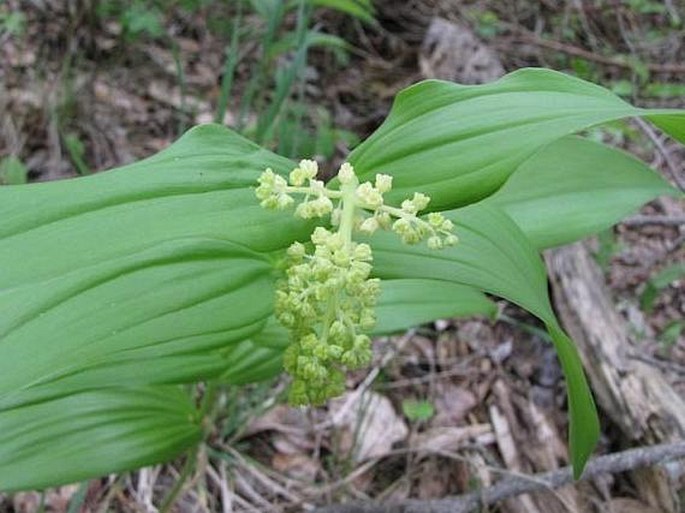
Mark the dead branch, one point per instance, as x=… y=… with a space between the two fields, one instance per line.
x=642 y=220
x=513 y=486
x=530 y=38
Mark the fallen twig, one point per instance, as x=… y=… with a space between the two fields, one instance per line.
x=642 y=220
x=511 y=487
x=529 y=38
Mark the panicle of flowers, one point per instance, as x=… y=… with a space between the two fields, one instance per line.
x=327 y=297
x=326 y=301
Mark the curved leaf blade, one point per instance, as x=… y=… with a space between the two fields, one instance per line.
x=405 y=303
x=458 y=144
x=92 y=433
x=575 y=187
x=163 y=261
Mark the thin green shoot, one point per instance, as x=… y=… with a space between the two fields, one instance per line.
x=229 y=67
x=285 y=81
x=78 y=498
x=273 y=13
x=13 y=171
x=180 y=76
x=77 y=151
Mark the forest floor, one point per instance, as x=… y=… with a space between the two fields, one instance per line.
x=446 y=407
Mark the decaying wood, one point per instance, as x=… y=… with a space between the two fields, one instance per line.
x=528 y=446
x=632 y=393
x=507 y=448
x=513 y=486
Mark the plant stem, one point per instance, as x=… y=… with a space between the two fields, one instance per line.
x=180 y=74
x=186 y=471
x=206 y=412
x=208 y=405
x=349 y=205
x=229 y=68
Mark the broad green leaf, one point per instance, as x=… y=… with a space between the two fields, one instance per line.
x=573 y=188
x=92 y=433
x=459 y=144
x=404 y=303
x=158 y=319
x=493 y=255
x=139 y=274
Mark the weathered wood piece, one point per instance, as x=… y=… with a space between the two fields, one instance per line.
x=633 y=394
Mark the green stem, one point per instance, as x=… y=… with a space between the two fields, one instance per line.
x=232 y=56
x=349 y=206
x=331 y=309
x=413 y=218
x=348 y=200
x=291 y=189
x=187 y=471
x=209 y=399
x=206 y=411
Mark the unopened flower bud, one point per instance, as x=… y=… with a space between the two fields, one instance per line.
x=383 y=183
x=346 y=174
x=362 y=252
x=297 y=177
x=369 y=225
x=283 y=201
x=369 y=195
x=296 y=251
x=451 y=240
x=309 y=168
x=435 y=242
x=420 y=200
x=320 y=235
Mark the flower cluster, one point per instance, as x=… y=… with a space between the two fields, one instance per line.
x=436 y=230
x=275 y=192
x=327 y=297
x=326 y=301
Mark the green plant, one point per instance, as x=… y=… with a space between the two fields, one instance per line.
x=659 y=282
x=138 y=18
x=275 y=90
x=12 y=23
x=13 y=171
x=271 y=108
x=669 y=336
x=417 y=410
x=77 y=151
x=126 y=286
x=607 y=248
